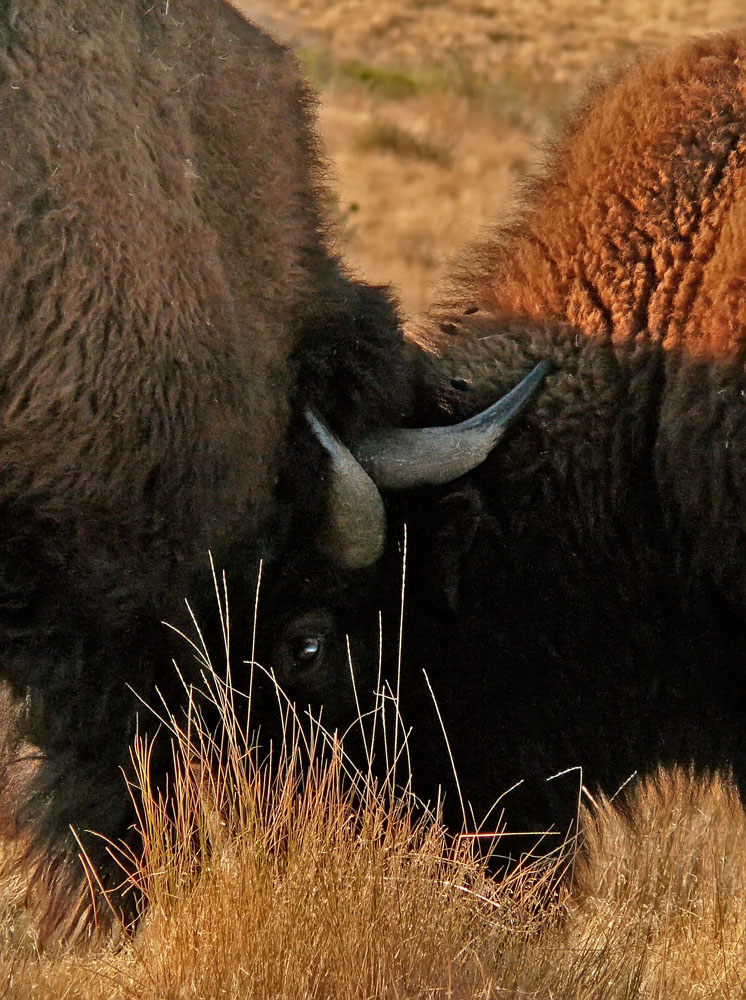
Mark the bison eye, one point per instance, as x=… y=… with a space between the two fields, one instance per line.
x=307 y=650
x=302 y=652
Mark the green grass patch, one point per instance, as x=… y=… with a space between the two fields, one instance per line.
x=515 y=95
x=388 y=137
x=393 y=83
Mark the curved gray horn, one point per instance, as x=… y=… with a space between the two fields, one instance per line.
x=430 y=456
x=355 y=531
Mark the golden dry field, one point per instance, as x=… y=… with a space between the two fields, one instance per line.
x=433 y=109
x=294 y=889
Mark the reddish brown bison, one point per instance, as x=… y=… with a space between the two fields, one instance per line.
x=578 y=600
x=170 y=316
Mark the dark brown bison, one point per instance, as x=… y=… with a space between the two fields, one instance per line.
x=170 y=315
x=578 y=600
x=162 y=263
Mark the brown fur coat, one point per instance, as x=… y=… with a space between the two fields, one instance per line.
x=579 y=599
x=169 y=304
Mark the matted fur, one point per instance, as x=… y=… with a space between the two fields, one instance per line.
x=578 y=601
x=169 y=304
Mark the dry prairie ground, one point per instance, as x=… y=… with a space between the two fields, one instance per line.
x=297 y=893
x=432 y=109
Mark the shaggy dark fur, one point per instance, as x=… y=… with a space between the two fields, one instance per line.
x=168 y=306
x=578 y=600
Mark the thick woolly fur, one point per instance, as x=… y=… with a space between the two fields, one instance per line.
x=579 y=599
x=168 y=305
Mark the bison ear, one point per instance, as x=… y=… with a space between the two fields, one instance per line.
x=459 y=515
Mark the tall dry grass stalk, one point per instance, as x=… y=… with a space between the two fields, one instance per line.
x=310 y=886
x=287 y=874
x=293 y=875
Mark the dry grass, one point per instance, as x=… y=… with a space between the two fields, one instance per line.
x=480 y=80
x=299 y=878
x=309 y=883
x=659 y=911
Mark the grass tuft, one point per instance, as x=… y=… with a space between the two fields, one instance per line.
x=385 y=136
x=292 y=874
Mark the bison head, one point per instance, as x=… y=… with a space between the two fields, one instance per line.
x=327 y=619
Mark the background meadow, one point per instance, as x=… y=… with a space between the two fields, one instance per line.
x=432 y=110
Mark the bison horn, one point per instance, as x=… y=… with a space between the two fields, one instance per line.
x=355 y=531
x=402 y=458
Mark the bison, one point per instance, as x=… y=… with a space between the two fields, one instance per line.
x=578 y=600
x=171 y=312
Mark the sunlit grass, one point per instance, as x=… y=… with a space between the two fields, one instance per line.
x=483 y=80
x=292 y=873
x=286 y=871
